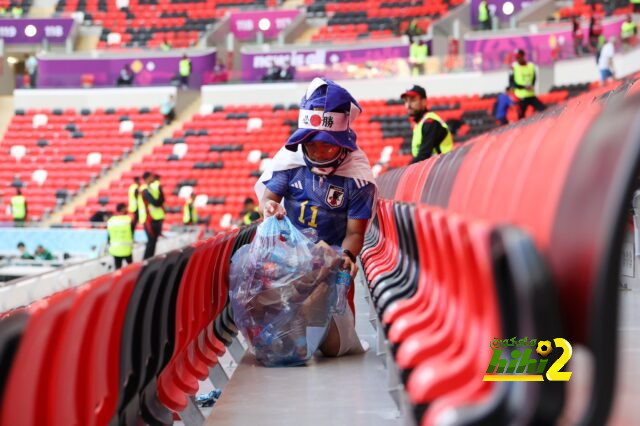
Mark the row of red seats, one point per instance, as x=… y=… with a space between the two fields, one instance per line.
x=126 y=347
x=510 y=217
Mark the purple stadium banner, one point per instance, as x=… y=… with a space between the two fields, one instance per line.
x=543 y=48
x=244 y=25
x=149 y=71
x=32 y=31
x=498 y=7
x=255 y=65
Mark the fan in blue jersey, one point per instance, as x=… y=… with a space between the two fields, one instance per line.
x=324 y=182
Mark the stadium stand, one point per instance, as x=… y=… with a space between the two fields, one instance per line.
x=353 y=20
x=53 y=154
x=537 y=259
x=149 y=23
x=588 y=9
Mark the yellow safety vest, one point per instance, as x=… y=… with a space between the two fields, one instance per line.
x=635 y=1
x=120 y=236
x=627 y=29
x=18 y=207
x=418 y=53
x=142 y=211
x=483 y=11
x=187 y=217
x=17 y=12
x=185 y=67
x=523 y=75
x=157 y=213
x=133 y=200
x=445 y=146
x=247 y=216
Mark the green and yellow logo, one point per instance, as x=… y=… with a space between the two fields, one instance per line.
x=513 y=369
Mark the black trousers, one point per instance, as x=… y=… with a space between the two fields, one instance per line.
x=134 y=222
x=153 y=230
x=533 y=101
x=118 y=261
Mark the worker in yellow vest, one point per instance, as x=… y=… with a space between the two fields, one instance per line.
x=636 y=5
x=189 y=213
x=184 y=69
x=628 y=32
x=120 y=236
x=250 y=212
x=431 y=134
x=153 y=202
x=418 y=52
x=18 y=208
x=523 y=79
x=133 y=192
x=484 y=18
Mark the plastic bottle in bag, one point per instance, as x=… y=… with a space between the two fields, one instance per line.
x=343 y=281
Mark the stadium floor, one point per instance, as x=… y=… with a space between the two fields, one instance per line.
x=345 y=391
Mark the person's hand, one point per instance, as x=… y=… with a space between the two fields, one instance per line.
x=529 y=87
x=271 y=208
x=349 y=266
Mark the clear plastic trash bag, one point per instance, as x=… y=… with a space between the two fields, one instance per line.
x=283 y=289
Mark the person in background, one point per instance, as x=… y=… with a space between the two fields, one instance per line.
x=418 y=52
x=24 y=254
x=126 y=77
x=250 y=212
x=628 y=33
x=523 y=79
x=577 y=35
x=605 y=60
x=431 y=133
x=595 y=31
x=153 y=202
x=31 y=64
x=189 y=213
x=503 y=102
x=165 y=46
x=636 y=5
x=133 y=202
x=184 y=70
x=43 y=254
x=120 y=236
x=18 y=208
x=483 y=15
x=17 y=11
x=413 y=29
x=168 y=109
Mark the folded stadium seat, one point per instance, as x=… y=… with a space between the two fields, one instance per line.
x=401 y=282
x=378 y=256
x=173 y=385
x=452 y=347
x=29 y=373
x=12 y=326
x=383 y=261
x=154 y=325
x=439 y=290
x=134 y=348
x=197 y=356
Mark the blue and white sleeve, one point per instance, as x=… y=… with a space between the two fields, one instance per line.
x=279 y=182
x=361 y=202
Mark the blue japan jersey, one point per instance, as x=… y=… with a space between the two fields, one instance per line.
x=323 y=203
